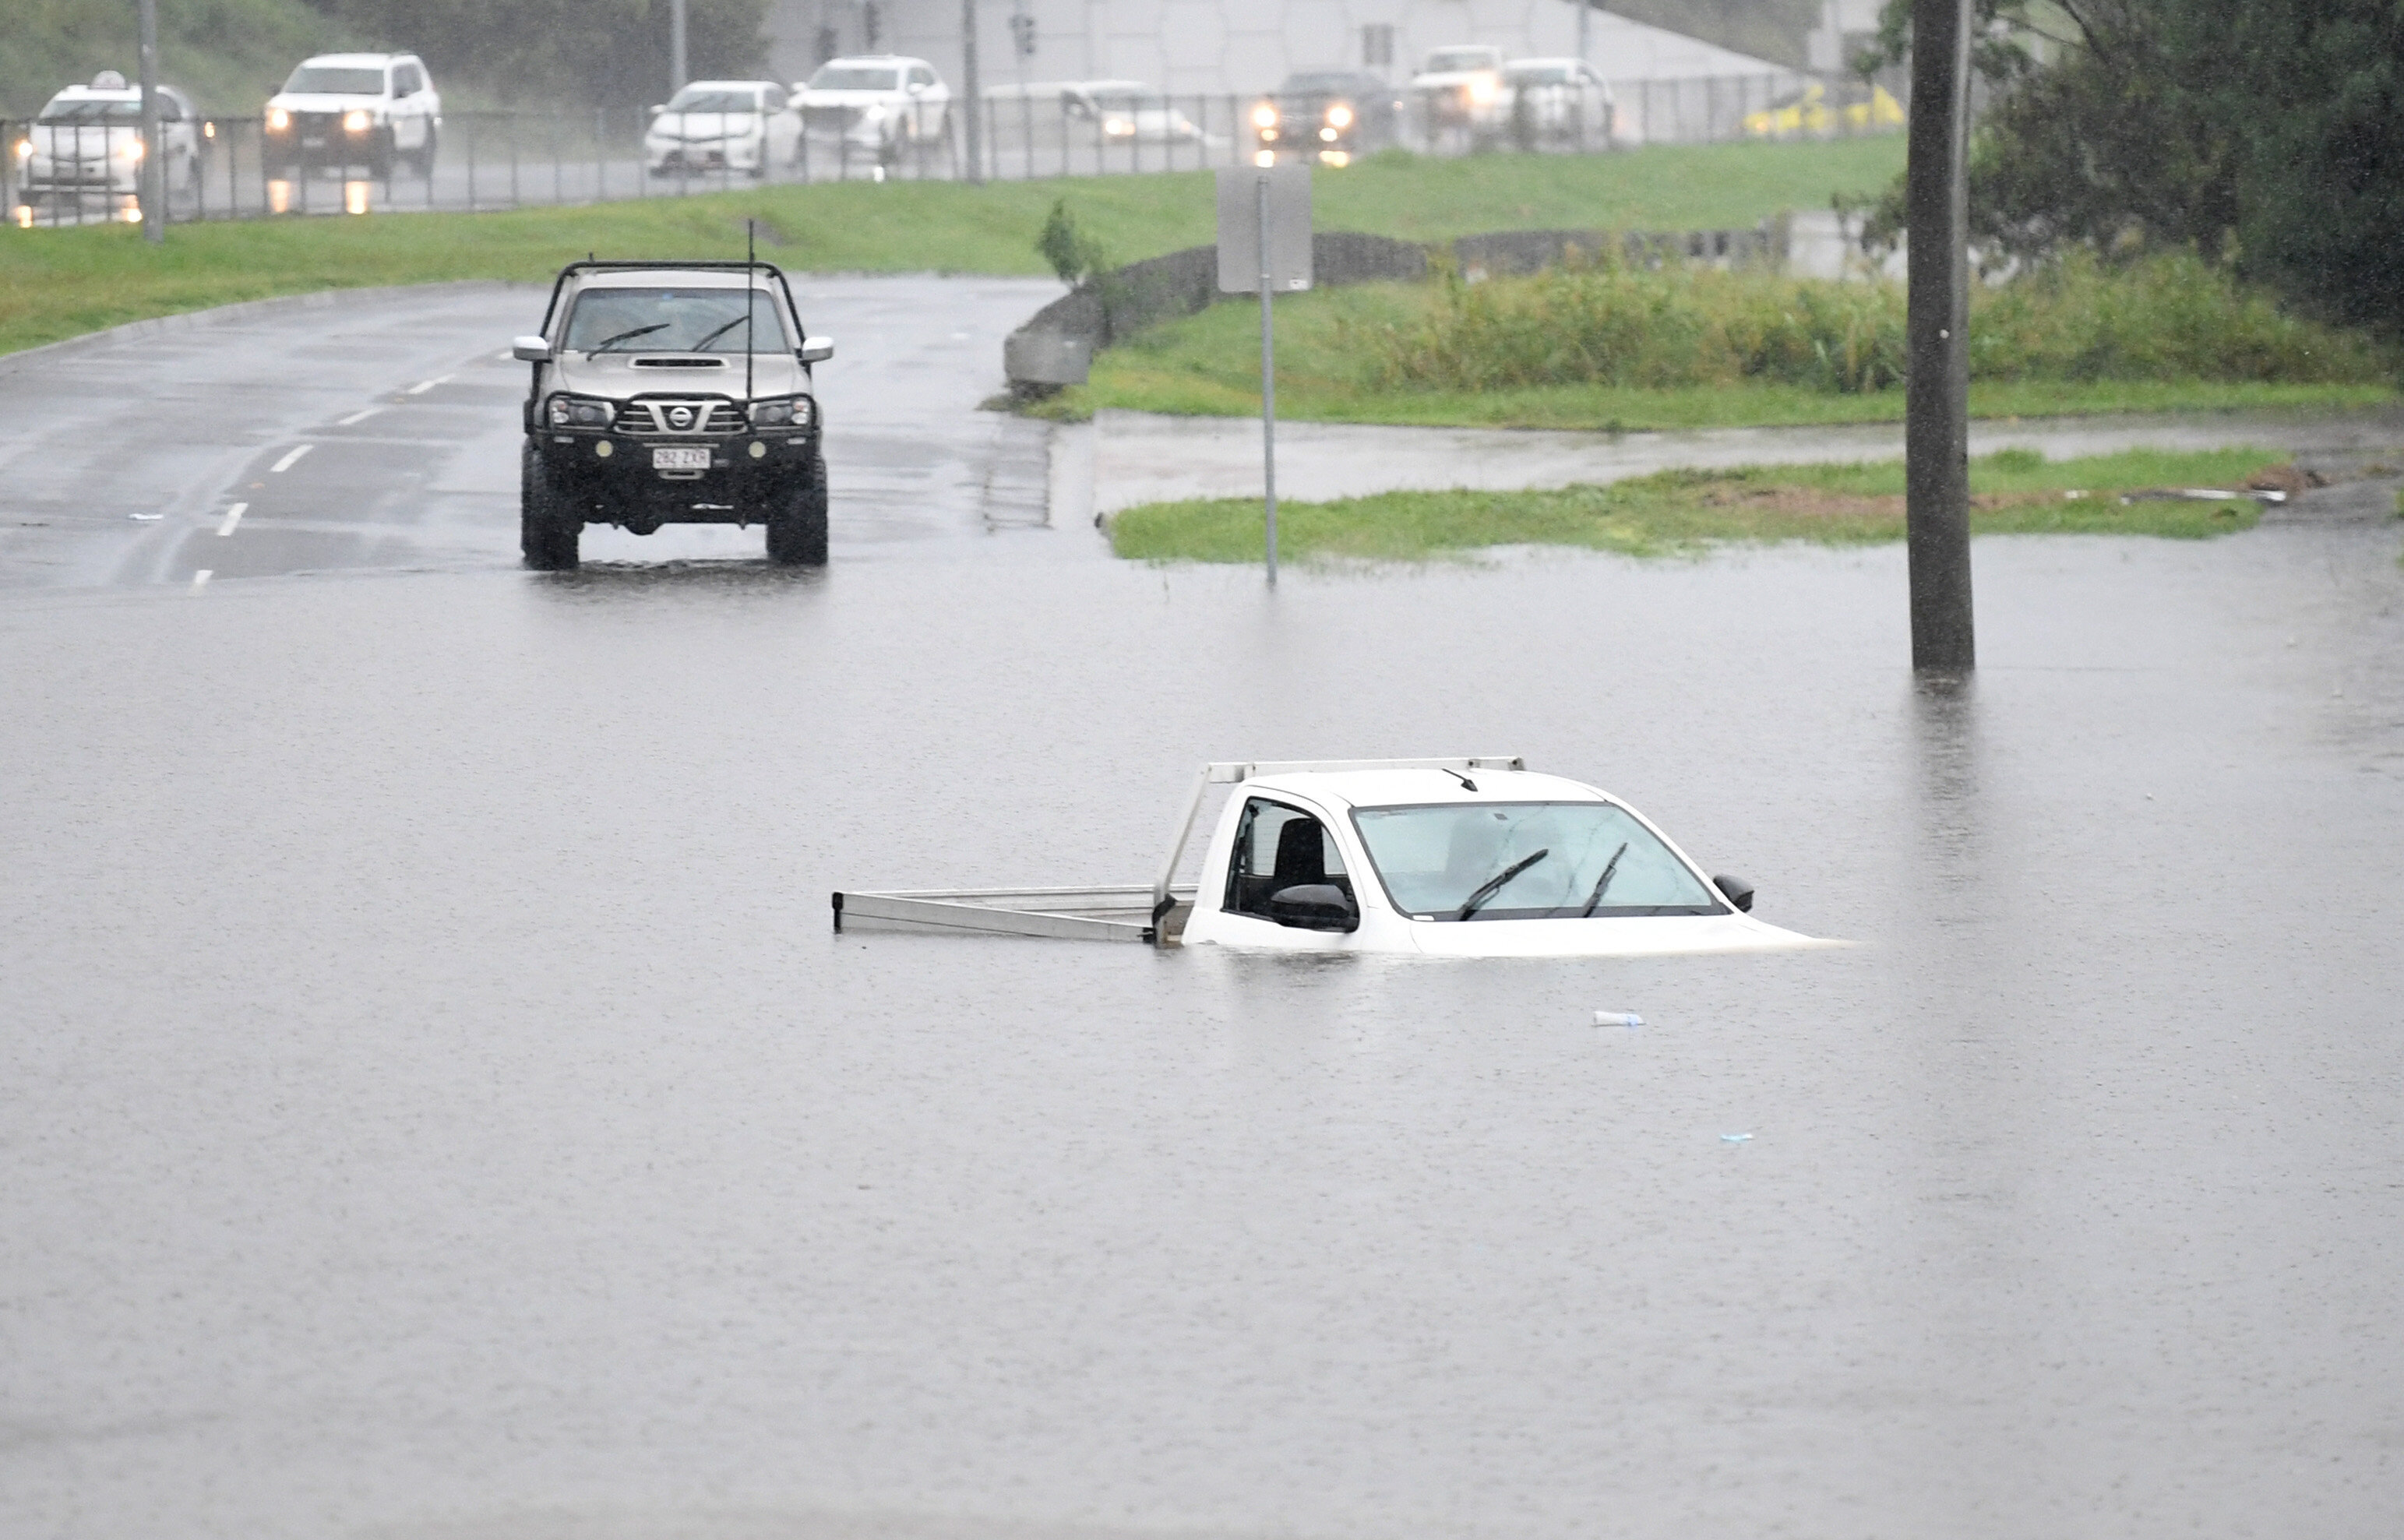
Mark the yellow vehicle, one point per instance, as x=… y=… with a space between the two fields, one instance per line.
x=1852 y=109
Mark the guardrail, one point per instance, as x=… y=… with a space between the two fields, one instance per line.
x=237 y=167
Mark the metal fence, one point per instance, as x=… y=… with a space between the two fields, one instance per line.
x=233 y=167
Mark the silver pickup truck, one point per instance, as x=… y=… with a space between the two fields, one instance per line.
x=672 y=393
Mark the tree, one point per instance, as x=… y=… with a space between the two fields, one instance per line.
x=2267 y=134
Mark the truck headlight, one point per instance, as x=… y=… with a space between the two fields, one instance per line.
x=785 y=412
x=1264 y=116
x=1339 y=117
x=24 y=150
x=581 y=411
x=278 y=119
x=357 y=122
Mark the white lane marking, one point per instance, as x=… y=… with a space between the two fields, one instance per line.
x=233 y=517
x=201 y=579
x=422 y=387
x=356 y=417
x=286 y=463
x=505 y=358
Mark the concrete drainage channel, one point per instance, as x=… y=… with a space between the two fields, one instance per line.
x=1056 y=346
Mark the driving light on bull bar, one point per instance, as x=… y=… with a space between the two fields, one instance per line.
x=356 y=121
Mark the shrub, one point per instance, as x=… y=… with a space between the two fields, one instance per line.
x=1608 y=322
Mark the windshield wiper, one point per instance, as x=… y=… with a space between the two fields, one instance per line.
x=1595 y=898
x=609 y=342
x=1496 y=883
x=720 y=332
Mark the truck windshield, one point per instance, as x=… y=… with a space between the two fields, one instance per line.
x=672 y=320
x=334 y=80
x=1598 y=859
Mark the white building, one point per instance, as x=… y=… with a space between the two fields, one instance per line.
x=1242 y=47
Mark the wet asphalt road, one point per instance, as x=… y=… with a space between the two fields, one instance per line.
x=436 y=1106
x=378 y=432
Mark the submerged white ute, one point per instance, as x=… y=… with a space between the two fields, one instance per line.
x=1469 y=857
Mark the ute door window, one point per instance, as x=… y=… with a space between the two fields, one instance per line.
x=1278 y=847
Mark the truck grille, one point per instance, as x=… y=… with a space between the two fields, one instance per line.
x=660 y=419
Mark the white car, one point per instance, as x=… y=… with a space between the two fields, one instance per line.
x=1126 y=112
x=1460 y=88
x=723 y=125
x=89 y=140
x=355 y=112
x=876 y=103
x=1466 y=857
x=1557 y=100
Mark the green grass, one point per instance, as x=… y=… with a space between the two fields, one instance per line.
x=2016 y=492
x=60 y=283
x=1208 y=365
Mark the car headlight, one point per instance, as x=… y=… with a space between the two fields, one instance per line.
x=1339 y=117
x=1264 y=116
x=1117 y=127
x=24 y=150
x=785 y=412
x=278 y=119
x=1481 y=89
x=581 y=411
x=873 y=113
x=357 y=122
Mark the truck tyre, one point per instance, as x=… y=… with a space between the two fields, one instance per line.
x=548 y=534
x=797 y=528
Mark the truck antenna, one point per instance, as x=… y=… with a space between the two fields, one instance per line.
x=751 y=271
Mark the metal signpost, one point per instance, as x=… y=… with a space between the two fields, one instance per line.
x=151 y=181
x=1936 y=414
x=1264 y=249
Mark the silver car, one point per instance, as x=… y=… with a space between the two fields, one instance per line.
x=87 y=140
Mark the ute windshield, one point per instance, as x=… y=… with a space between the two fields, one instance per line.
x=1565 y=860
x=672 y=320
x=853 y=77
x=334 y=80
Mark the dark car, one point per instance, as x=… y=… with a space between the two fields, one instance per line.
x=672 y=393
x=1332 y=116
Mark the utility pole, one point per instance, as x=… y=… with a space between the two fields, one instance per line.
x=1585 y=28
x=1936 y=416
x=975 y=94
x=152 y=182
x=678 y=74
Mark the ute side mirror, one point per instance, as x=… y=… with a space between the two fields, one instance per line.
x=814 y=350
x=1314 y=907
x=1736 y=892
x=530 y=350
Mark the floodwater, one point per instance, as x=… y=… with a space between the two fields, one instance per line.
x=436 y=1104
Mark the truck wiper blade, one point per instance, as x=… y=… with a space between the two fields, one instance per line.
x=720 y=332
x=609 y=342
x=1595 y=898
x=1496 y=883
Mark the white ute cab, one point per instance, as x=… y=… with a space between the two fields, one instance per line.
x=1464 y=858
x=355 y=112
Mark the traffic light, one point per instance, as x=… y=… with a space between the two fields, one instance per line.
x=1022 y=33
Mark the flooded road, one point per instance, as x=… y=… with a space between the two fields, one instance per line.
x=436 y=1105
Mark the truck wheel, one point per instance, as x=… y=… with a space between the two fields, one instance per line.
x=548 y=534
x=797 y=530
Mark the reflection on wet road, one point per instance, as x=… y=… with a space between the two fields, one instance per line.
x=401 y=407
x=436 y=1105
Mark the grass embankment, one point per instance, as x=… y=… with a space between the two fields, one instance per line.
x=1616 y=348
x=2014 y=492
x=60 y=283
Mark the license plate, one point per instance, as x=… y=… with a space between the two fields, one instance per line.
x=679 y=460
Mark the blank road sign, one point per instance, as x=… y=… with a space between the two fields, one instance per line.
x=1239 y=229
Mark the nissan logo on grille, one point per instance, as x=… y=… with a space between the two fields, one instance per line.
x=679 y=416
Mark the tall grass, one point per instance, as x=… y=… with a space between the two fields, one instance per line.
x=1604 y=322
